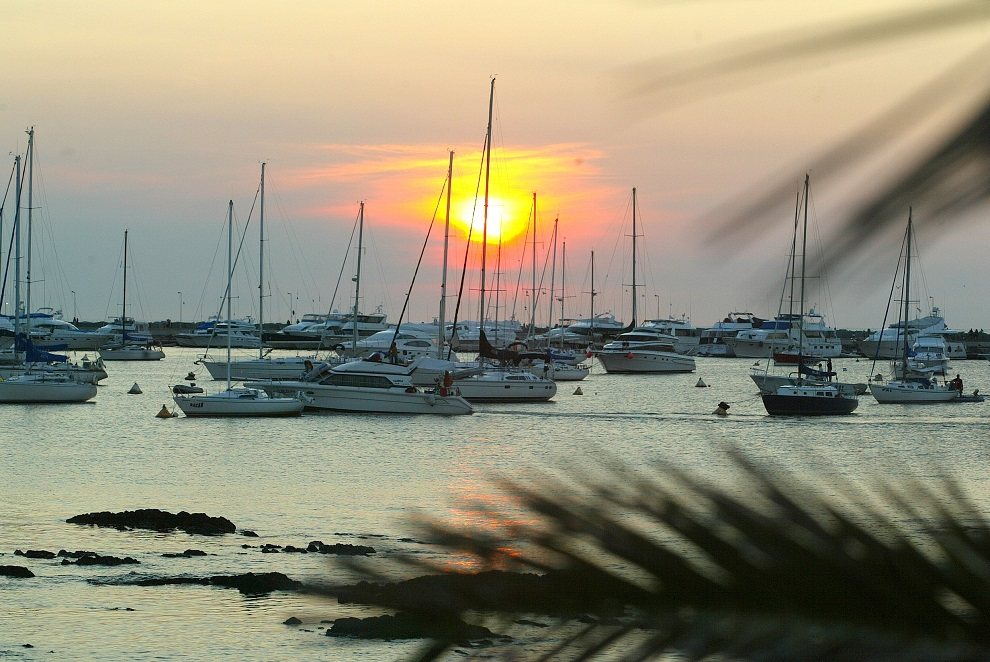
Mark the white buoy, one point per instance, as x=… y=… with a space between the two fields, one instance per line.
x=578 y=391
x=701 y=383
x=135 y=390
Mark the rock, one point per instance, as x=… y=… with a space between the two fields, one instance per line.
x=189 y=553
x=76 y=554
x=292 y=620
x=559 y=592
x=96 y=559
x=158 y=520
x=249 y=583
x=35 y=554
x=249 y=533
x=15 y=571
x=342 y=549
x=407 y=626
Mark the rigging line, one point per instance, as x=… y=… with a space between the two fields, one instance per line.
x=467 y=246
x=419 y=262
x=6 y=269
x=343 y=264
x=522 y=258
x=890 y=297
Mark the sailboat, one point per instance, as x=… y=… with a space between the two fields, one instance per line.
x=36 y=386
x=807 y=398
x=915 y=383
x=264 y=366
x=236 y=401
x=128 y=349
x=499 y=384
x=643 y=349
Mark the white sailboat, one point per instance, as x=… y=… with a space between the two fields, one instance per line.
x=35 y=383
x=127 y=349
x=805 y=397
x=914 y=383
x=499 y=384
x=236 y=401
x=264 y=366
x=644 y=349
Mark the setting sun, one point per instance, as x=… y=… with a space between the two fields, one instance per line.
x=507 y=219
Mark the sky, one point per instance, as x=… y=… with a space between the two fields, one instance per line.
x=150 y=116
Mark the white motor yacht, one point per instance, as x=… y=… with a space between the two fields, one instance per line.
x=368 y=386
x=687 y=336
x=643 y=350
x=712 y=340
x=785 y=332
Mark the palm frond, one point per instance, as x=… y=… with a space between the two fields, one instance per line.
x=665 y=561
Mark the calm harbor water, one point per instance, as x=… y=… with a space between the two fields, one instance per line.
x=358 y=479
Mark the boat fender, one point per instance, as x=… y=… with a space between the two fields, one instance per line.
x=629 y=355
x=722 y=409
x=431 y=399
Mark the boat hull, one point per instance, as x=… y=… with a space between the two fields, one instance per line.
x=132 y=354
x=357 y=399
x=811 y=405
x=644 y=361
x=899 y=392
x=762 y=349
x=770 y=384
x=484 y=388
x=237 y=405
x=18 y=390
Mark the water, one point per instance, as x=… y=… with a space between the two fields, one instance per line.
x=364 y=476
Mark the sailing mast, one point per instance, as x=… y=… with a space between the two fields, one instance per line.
x=804 y=249
x=446 y=241
x=123 y=304
x=484 y=225
x=230 y=273
x=593 y=296
x=907 y=303
x=532 y=306
x=17 y=251
x=261 y=272
x=357 y=278
x=634 y=256
x=30 y=227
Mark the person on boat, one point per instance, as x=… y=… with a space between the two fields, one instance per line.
x=393 y=353
x=957 y=384
x=448 y=382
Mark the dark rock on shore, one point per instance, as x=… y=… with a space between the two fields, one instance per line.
x=343 y=549
x=249 y=583
x=248 y=533
x=18 y=571
x=79 y=553
x=292 y=620
x=188 y=554
x=158 y=520
x=97 y=559
x=407 y=626
x=35 y=554
x=566 y=593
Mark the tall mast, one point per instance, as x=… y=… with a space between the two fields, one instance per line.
x=563 y=273
x=532 y=307
x=17 y=249
x=357 y=278
x=230 y=274
x=30 y=227
x=907 y=291
x=634 y=256
x=484 y=226
x=261 y=270
x=446 y=242
x=123 y=304
x=593 y=295
x=804 y=249
x=553 y=281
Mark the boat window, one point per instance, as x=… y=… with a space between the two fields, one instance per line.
x=364 y=381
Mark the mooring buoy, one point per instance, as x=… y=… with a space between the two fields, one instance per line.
x=722 y=409
x=163 y=413
x=135 y=390
x=701 y=383
x=578 y=391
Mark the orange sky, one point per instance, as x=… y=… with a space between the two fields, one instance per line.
x=151 y=115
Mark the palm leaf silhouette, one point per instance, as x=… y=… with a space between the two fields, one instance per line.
x=946 y=180
x=666 y=562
